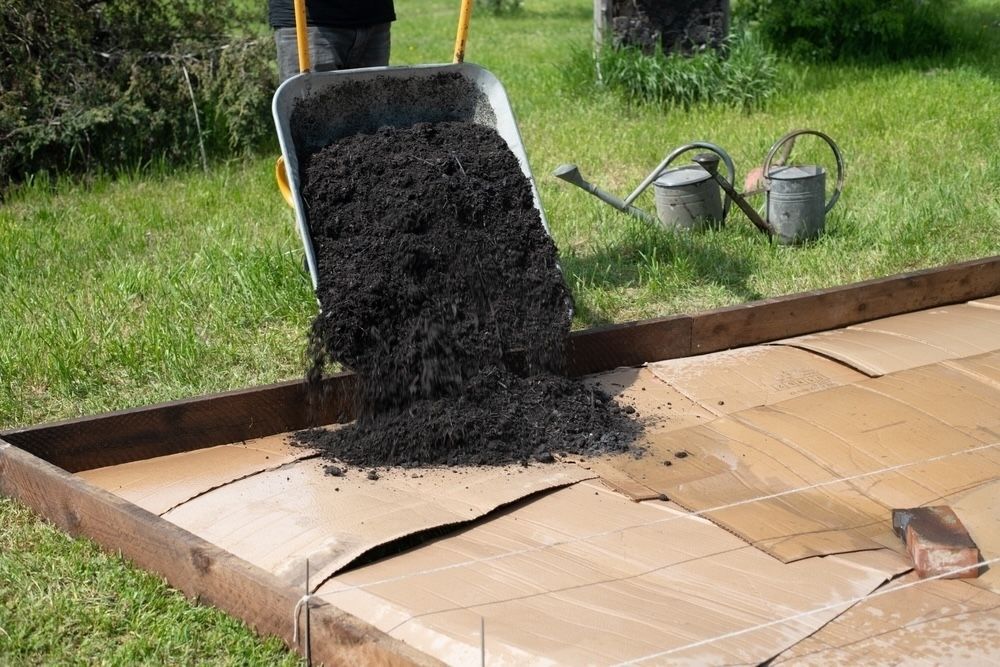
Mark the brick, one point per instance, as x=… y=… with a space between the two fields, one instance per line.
x=937 y=541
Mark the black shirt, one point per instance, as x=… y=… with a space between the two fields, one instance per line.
x=332 y=13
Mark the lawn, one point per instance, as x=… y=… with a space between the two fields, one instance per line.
x=163 y=284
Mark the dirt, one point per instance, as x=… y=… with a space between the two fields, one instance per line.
x=680 y=26
x=440 y=288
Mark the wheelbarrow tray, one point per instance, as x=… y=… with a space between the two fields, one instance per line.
x=313 y=109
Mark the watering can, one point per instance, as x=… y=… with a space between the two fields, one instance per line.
x=686 y=197
x=796 y=206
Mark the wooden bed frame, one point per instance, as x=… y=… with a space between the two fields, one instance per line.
x=37 y=462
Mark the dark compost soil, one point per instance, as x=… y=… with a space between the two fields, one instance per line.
x=434 y=266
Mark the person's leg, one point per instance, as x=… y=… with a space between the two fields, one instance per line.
x=329 y=47
x=371 y=47
x=334 y=48
x=288 y=54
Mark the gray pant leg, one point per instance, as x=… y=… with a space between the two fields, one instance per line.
x=371 y=48
x=328 y=49
x=333 y=48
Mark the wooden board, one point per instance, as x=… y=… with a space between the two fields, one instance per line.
x=196 y=567
x=138 y=433
x=764 y=321
x=35 y=461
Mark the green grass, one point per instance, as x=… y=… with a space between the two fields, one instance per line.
x=745 y=76
x=65 y=602
x=126 y=291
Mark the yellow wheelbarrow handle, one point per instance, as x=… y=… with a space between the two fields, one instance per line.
x=464 y=14
x=281 y=175
x=302 y=43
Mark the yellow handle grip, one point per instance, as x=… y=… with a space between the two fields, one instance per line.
x=464 y=14
x=301 y=36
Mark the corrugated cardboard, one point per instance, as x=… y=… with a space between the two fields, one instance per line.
x=979 y=511
x=583 y=576
x=164 y=482
x=907 y=341
x=279 y=518
x=990 y=302
x=761 y=488
x=658 y=406
x=921 y=623
x=984 y=367
x=726 y=382
x=820 y=473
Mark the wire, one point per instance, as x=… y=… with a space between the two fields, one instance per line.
x=794 y=617
x=685 y=515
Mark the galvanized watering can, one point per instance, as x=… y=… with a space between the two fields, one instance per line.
x=796 y=206
x=686 y=197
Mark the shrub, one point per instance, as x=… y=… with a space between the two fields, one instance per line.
x=89 y=84
x=850 y=29
x=743 y=74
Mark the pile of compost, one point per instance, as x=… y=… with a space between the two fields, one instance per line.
x=439 y=287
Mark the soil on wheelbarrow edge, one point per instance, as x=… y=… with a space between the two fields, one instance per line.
x=433 y=265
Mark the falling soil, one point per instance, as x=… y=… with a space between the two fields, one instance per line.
x=434 y=267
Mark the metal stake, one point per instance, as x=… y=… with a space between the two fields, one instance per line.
x=308 y=634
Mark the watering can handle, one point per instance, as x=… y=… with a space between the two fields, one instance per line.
x=836 y=153
x=677 y=152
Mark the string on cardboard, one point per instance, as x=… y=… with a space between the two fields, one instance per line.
x=679 y=516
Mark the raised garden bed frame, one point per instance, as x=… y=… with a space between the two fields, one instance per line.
x=37 y=462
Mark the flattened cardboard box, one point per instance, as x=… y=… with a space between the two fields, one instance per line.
x=659 y=407
x=906 y=341
x=584 y=576
x=908 y=622
x=979 y=511
x=734 y=380
x=160 y=484
x=990 y=302
x=273 y=506
x=820 y=473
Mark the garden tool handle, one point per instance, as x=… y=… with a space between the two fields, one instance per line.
x=302 y=44
x=836 y=154
x=302 y=35
x=464 y=14
x=677 y=152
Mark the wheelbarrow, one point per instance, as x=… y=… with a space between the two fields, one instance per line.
x=313 y=109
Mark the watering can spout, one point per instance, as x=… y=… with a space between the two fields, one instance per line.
x=571 y=174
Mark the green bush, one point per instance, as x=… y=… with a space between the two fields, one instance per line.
x=107 y=85
x=850 y=29
x=743 y=74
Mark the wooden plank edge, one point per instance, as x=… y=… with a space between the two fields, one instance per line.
x=199 y=569
x=206 y=421
x=836 y=307
x=139 y=433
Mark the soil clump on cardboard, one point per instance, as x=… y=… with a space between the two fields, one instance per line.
x=439 y=287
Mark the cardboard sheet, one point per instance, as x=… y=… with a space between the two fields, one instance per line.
x=658 y=406
x=820 y=473
x=164 y=482
x=979 y=511
x=279 y=518
x=918 y=623
x=990 y=302
x=907 y=341
x=584 y=576
x=726 y=382
x=984 y=367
